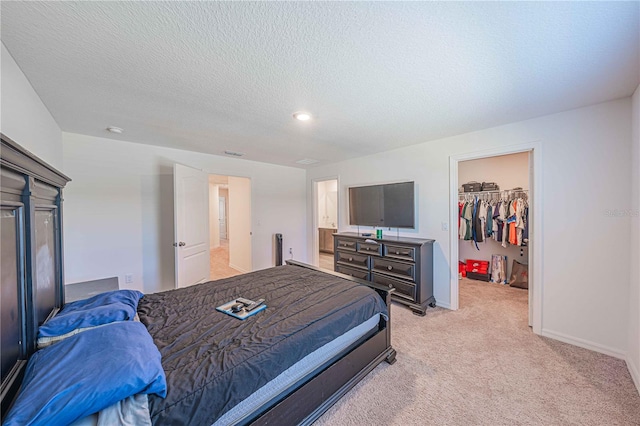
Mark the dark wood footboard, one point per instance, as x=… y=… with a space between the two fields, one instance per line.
x=308 y=402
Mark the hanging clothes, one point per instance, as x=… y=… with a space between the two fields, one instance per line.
x=468 y=216
x=504 y=220
x=512 y=220
x=477 y=221
x=489 y=220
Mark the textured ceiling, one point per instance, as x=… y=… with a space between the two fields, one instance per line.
x=209 y=76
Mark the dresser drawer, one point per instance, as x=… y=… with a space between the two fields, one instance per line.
x=349 y=245
x=370 y=248
x=353 y=260
x=391 y=267
x=404 y=289
x=357 y=273
x=400 y=252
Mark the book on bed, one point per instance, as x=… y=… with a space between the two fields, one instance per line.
x=242 y=308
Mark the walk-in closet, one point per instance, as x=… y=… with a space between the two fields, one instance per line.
x=493 y=231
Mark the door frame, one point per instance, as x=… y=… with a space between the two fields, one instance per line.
x=226 y=220
x=536 y=286
x=314 y=214
x=251 y=222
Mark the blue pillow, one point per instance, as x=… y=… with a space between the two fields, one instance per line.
x=87 y=373
x=118 y=305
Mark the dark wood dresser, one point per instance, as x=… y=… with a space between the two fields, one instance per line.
x=405 y=263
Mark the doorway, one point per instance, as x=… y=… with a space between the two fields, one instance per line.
x=230 y=230
x=534 y=258
x=493 y=244
x=325 y=220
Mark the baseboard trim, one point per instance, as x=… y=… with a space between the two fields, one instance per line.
x=238 y=268
x=582 y=343
x=635 y=375
x=443 y=305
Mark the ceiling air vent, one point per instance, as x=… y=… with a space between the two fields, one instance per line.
x=235 y=154
x=307 y=161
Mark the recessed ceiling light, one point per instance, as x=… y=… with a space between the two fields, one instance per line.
x=302 y=116
x=114 y=129
x=307 y=161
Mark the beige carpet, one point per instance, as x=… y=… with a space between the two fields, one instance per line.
x=482 y=365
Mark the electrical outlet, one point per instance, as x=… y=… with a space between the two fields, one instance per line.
x=128 y=279
x=291 y=251
x=445 y=226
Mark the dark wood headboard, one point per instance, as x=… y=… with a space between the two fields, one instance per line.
x=32 y=276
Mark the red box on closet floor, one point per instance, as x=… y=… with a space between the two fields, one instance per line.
x=462 y=269
x=478 y=266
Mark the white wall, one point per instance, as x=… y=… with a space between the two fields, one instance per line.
x=585 y=157
x=24 y=118
x=214 y=216
x=633 y=352
x=508 y=171
x=119 y=209
x=239 y=220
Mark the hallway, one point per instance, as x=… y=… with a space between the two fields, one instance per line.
x=220 y=262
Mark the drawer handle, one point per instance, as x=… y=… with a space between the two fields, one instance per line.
x=367 y=248
x=390 y=267
x=351 y=259
x=397 y=252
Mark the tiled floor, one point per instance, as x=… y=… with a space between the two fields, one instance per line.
x=220 y=262
x=326 y=261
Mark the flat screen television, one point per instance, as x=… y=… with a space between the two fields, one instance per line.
x=389 y=205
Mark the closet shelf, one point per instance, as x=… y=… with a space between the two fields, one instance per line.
x=502 y=191
x=508 y=193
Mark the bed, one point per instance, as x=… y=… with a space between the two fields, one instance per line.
x=320 y=334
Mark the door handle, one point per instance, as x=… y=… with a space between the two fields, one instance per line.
x=180 y=244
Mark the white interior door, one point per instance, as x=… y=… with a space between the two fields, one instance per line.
x=191 y=225
x=222 y=215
